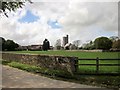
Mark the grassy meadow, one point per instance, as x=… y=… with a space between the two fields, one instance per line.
x=79 y=54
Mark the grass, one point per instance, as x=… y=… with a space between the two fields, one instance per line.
x=35 y=69
x=75 y=53
x=103 y=81
x=79 y=54
x=102 y=69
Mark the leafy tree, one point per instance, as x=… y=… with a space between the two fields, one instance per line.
x=46 y=45
x=116 y=45
x=88 y=46
x=11 y=5
x=10 y=45
x=103 y=43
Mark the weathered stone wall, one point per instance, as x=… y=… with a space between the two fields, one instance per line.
x=45 y=61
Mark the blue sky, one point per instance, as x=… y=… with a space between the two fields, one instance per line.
x=54 y=24
x=29 y=17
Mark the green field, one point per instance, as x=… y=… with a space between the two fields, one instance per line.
x=75 y=53
x=79 y=54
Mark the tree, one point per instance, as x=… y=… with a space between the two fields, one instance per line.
x=76 y=43
x=89 y=45
x=58 y=44
x=103 y=43
x=10 y=45
x=116 y=45
x=46 y=45
x=12 y=5
x=114 y=38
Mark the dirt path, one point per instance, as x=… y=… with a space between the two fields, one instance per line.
x=15 y=78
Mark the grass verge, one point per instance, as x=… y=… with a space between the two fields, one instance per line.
x=103 y=81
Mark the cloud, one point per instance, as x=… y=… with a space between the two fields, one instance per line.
x=81 y=20
x=86 y=14
x=81 y=17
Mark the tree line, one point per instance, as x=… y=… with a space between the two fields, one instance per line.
x=103 y=43
x=10 y=45
x=7 y=45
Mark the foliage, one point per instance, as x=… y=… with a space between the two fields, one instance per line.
x=116 y=45
x=8 y=45
x=114 y=38
x=58 y=44
x=77 y=43
x=11 y=45
x=46 y=45
x=88 y=46
x=12 y=5
x=103 y=43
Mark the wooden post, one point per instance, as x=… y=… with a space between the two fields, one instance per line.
x=76 y=65
x=97 y=65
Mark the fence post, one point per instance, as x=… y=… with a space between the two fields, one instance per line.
x=97 y=65
x=76 y=65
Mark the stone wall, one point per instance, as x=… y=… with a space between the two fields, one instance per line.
x=46 y=61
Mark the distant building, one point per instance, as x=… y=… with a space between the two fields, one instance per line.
x=30 y=47
x=73 y=47
x=35 y=47
x=70 y=46
x=65 y=40
x=67 y=46
x=22 y=48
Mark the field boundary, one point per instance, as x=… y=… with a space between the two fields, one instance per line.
x=52 y=62
x=97 y=65
x=66 y=63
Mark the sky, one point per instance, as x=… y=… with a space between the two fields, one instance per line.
x=81 y=20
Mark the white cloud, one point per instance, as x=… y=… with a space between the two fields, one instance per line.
x=80 y=17
x=81 y=20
